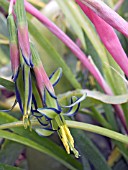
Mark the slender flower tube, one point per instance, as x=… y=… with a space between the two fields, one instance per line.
x=22 y=28
x=51 y=115
x=23 y=83
x=40 y=74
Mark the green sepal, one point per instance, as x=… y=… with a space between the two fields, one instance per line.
x=42 y=120
x=60 y=120
x=49 y=113
x=35 y=55
x=20 y=88
x=27 y=88
x=44 y=132
x=54 y=124
x=55 y=77
x=50 y=101
x=36 y=93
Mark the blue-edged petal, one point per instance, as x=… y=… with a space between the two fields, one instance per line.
x=19 y=97
x=14 y=76
x=44 y=132
x=76 y=101
x=36 y=113
x=34 y=102
x=42 y=121
x=49 y=113
x=55 y=76
x=74 y=109
x=51 y=94
x=50 y=101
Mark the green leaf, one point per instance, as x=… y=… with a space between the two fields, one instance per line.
x=42 y=161
x=117 y=77
x=8 y=149
x=93 y=97
x=4 y=4
x=41 y=144
x=4 y=49
x=7 y=84
x=89 y=150
x=120 y=165
x=73 y=124
x=33 y=144
x=71 y=17
x=89 y=30
x=7 y=167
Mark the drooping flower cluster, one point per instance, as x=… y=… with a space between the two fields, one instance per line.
x=34 y=89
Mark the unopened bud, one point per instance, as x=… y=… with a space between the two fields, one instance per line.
x=14 y=51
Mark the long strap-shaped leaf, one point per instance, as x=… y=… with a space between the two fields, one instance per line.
x=33 y=140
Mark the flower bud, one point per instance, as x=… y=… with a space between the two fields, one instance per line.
x=23 y=36
x=14 y=51
x=40 y=74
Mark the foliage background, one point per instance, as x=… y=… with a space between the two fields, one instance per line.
x=97 y=152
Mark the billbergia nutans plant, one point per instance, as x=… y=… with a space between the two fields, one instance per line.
x=64 y=70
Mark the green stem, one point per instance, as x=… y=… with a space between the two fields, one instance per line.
x=78 y=125
x=99 y=130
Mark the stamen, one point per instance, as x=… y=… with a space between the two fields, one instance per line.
x=64 y=139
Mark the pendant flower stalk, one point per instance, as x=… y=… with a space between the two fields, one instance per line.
x=34 y=89
x=51 y=115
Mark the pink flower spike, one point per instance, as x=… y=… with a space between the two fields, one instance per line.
x=15 y=61
x=41 y=77
x=23 y=39
x=43 y=80
x=22 y=28
x=107 y=14
x=108 y=37
x=14 y=49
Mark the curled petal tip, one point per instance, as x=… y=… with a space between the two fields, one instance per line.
x=56 y=76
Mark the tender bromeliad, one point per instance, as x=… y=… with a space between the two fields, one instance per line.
x=34 y=89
